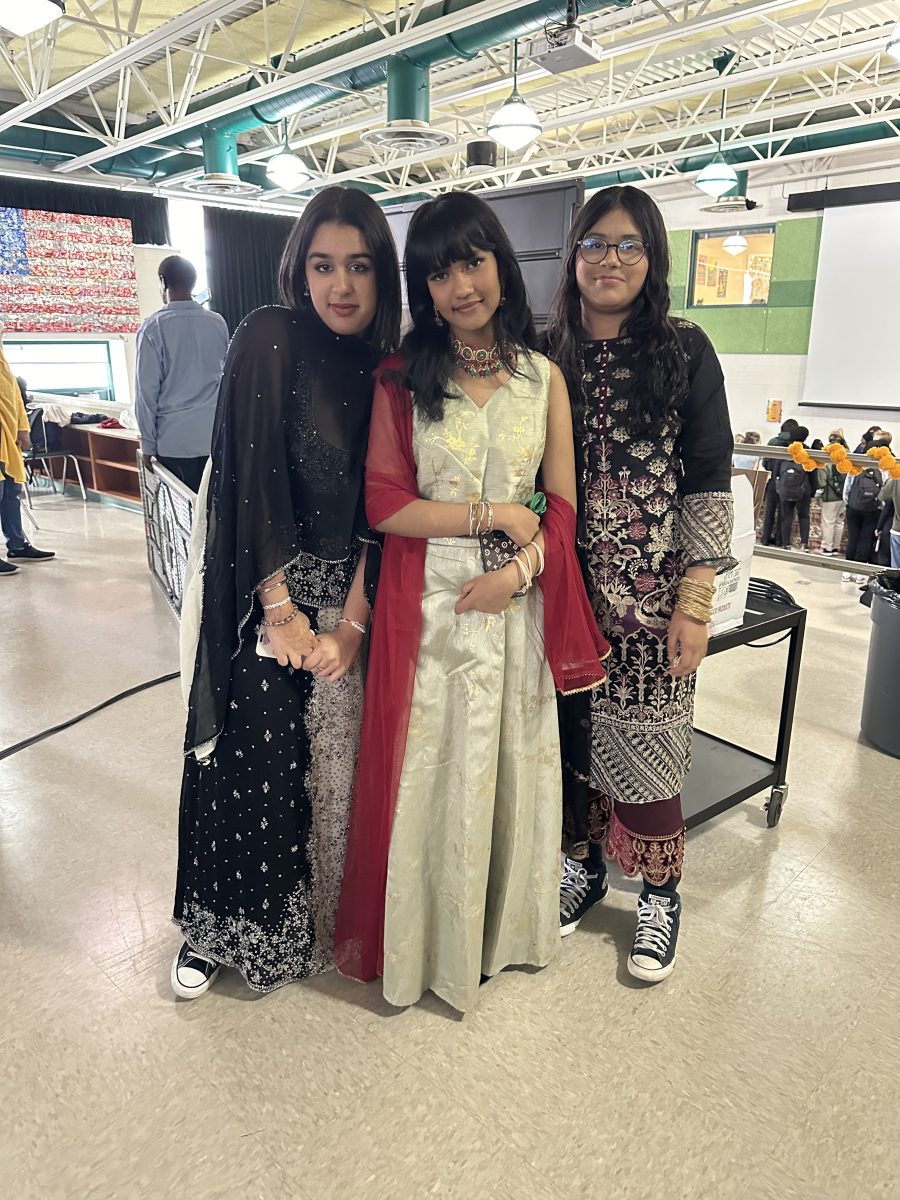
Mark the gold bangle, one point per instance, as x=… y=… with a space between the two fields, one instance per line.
x=703 y=615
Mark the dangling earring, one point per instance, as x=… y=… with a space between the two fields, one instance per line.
x=502 y=301
x=306 y=291
x=438 y=319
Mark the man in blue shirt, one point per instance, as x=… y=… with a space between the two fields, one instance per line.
x=180 y=352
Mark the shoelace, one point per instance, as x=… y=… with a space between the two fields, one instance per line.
x=574 y=886
x=654 y=928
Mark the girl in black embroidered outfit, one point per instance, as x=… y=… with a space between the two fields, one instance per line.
x=271 y=737
x=653 y=447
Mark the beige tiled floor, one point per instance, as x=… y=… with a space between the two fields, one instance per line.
x=768 y=1067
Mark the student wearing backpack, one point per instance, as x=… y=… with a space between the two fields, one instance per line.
x=831 y=483
x=862 y=496
x=795 y=488
x=770 y=529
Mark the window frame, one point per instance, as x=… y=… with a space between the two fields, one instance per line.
x=699 y=235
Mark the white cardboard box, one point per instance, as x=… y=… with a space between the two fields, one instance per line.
x=731 y=587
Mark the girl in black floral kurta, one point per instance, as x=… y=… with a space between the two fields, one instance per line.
x=654 y=456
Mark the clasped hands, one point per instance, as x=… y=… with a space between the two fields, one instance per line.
x=328 y=656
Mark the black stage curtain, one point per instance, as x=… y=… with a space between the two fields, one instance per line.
x=243 y=250
x=148 y=214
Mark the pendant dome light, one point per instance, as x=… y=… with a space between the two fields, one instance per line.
x=515 y=124
x=735 y=244
x=22 y=17
x=286 y=169
x=719 y=177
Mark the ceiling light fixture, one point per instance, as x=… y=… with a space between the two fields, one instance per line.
x=285 y=169
x=22 y=17
x=718 y=176
x=515 y=124
x=892 y=46
x=736 y=244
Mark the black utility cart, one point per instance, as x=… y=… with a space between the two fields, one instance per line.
x=717 y=763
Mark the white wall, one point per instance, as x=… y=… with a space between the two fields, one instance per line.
x=753 y=379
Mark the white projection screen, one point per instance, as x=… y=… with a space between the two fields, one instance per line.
x=854 y=348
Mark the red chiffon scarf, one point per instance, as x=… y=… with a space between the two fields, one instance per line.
x=573 y=644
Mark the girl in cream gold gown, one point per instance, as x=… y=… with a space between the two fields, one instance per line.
x=453 y=862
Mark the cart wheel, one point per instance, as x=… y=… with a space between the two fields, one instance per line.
x=774 y=805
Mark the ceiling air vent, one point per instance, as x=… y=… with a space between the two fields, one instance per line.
x=219 y=184
x=406 y=137
x=731 y=204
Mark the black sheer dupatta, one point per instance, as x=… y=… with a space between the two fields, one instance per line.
x=287 y=459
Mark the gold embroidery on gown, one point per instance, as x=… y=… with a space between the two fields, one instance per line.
x=473 y=872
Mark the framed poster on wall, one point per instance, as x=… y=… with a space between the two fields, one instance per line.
x=712 y=272
x=722 y=284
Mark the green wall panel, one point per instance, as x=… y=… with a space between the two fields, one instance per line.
x=791 y=293
x=787 y=331
x=733 y=330
x=782 y=326
x=796 y=249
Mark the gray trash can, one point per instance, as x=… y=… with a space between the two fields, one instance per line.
x=881 y=700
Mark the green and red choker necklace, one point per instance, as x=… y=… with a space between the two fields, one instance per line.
x=477 y=364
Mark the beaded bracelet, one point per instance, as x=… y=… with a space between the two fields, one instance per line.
x=275 y=624
x=277 y=603
x=356 y=624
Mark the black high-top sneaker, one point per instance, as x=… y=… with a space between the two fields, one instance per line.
x=652 y=956
x=583 y=885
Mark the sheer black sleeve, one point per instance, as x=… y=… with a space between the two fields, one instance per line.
x=251 y=528
x=705 y=450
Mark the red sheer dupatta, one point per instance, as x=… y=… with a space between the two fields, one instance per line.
x=573 y=644
x=393 y=654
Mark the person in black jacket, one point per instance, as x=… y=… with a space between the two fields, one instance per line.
x=771 y=521
x=795 y=489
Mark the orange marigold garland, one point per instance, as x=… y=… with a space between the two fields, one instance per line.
x=841 y=459
x=801 y=456
x=885 y=460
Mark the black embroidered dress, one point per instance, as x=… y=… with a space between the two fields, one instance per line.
x=271 y=751
x=650 y=507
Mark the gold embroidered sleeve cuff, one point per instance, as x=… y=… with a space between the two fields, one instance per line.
x=707 y=523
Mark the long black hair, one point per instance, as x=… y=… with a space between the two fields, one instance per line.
x=452 y=228
x=346 y=206
x=661 y=382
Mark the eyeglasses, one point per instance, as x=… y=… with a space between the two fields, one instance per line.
x=629 y=251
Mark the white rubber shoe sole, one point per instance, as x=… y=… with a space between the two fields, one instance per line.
x=189 y=983
x=650 y=974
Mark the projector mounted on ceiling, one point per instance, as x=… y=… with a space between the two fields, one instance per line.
x=563 y=49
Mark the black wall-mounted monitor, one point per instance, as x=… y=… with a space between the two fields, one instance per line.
x=537 y=219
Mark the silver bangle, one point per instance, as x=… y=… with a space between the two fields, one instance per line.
x=278 y=603
x=356 y=625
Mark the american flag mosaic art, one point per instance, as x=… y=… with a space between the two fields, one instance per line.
x=66 y=273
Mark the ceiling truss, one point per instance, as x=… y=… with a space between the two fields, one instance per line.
x=653 y=103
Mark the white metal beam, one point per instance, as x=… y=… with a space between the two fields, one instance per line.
x=116 y=60
x=395 y=44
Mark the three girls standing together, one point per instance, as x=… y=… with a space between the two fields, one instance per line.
x=552 y=524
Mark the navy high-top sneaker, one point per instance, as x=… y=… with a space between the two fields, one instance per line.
x=652 y=956
x=583 y=885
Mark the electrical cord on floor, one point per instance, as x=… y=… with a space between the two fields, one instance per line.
x=40 y=737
